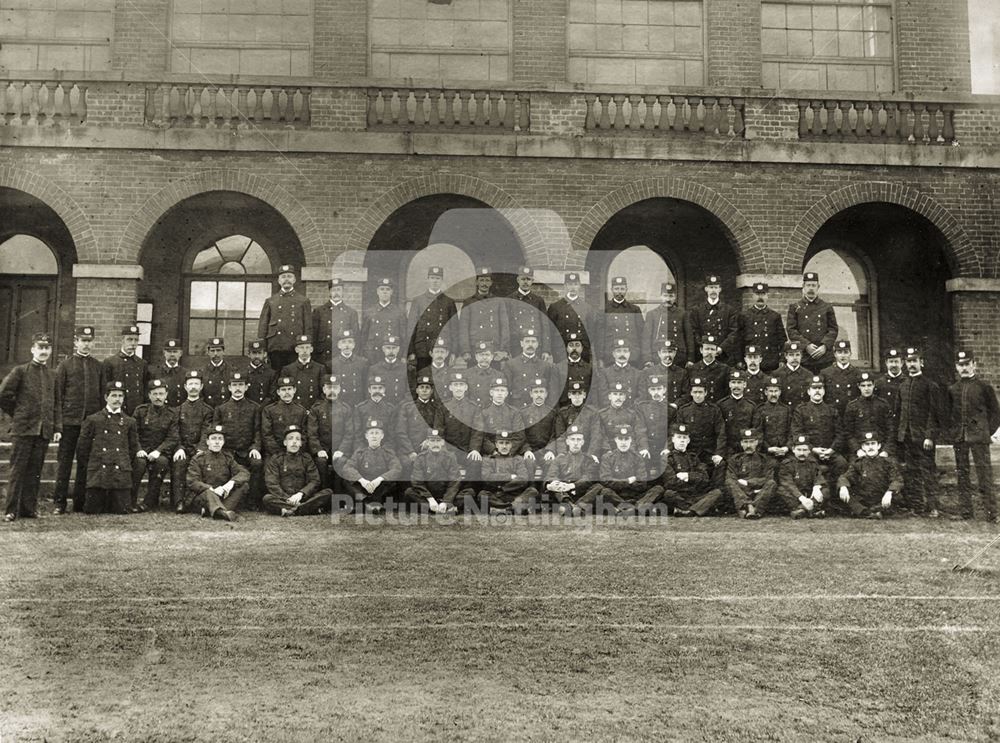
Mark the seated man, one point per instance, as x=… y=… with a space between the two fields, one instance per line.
x=506 y=478
x=871 y=481
x=572 y=474
x=750 y=477
x=684 y=486
x=435 y=476
x=216 y=482
x=372 y=471
x=801 y=481
x=623 y=475
x=292 y=480
x=157 y=428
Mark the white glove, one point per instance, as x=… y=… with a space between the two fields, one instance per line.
x=860 y=453
x=683 y=476
x=845 y=494
x=996 y=436
x=295 y=499
x=887 y=499
x=817 y=494
x=806 y=502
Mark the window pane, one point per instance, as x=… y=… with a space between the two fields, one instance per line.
x=257 y=292
x=233 y=247
x=256 y=260
x=202 y=299
x=249 y=333
x=232 y=268
x=26 y=254
x=199 y=331
x=207 y=261
x=231 y=330
x=644 y=270
x=231 y=295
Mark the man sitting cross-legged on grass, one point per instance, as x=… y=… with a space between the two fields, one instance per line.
x=572 y=474
x=506 y=478
x=750 y=477
x=870 y=482
x=216 y=482
x=371 y=472
x=435 y=476
x=292 y=480
x=684 y=486
x=801 y=481
x=624 y=477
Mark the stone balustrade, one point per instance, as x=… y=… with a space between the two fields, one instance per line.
x=42 y=103
x=879 y=121
x=665 y=113
x=429 y=108
x=235 y=106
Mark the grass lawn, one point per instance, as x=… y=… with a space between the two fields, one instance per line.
x=160 y=627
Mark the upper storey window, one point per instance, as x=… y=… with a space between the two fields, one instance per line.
x=637 y=42
x=828 y=45
x=459 y=40
x=55 y=34
x=264 y=37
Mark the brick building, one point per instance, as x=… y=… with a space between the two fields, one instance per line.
x=158 y=158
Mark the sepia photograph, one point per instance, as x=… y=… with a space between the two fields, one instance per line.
x=488 y=370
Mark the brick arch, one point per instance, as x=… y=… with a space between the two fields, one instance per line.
x=524 y=225
x=961 y=255
x=240 y=181
x=87 y=248
x=743 y=240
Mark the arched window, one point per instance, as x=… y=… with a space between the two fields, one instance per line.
x=28 y=294
x=24 y=254
x=645 y=272
x=846 y=283
x=228 y=282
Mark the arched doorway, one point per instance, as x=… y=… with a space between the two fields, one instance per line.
x=37 y=293
x=209 y=264
x=884 y=269
x=456 y=232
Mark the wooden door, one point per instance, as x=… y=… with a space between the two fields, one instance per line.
x=26 y=307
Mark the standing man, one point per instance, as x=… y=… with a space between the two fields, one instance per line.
x=570 y=314
x=307 y=373
x=170 y=372
x=30 y=397
x=285 y=315
x=386 y=319
x=976 y=420
x=110 y=443
x=129 y=369
x=429 y=316
x=79 y=384
x=215 y=374
x=240 y=417
x=484 y=320
x=917 y=420
x=667 y=321
x=260 y=376
x=528 y=312
x=621 y=320
x=813 y=324
x=330 y=320
x=714 y=317
x=761 y=327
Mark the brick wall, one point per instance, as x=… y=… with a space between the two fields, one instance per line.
x=933 y=46
x=340 y=39
x=107 y=304
x=974 y=316
x=539 y=37
x=141 y=41
x=734 y=43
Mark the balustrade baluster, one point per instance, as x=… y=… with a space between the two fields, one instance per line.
x=275 y=115
x=649 y=120
x=478 y=99
x=305 y=113
x=604 y=122
x=619 y=111
x=290 y=105
x=239 y=111
x=948 y=127
x=892 y=128
x=933 y=129
x=918 y=122
x=509 y=104
x=722 y=123
x=449 y=108
x=434 y=108
x=590 y=121
x=34 y=103
x=464 y=96
x=81 y=104
x=739 y=125
x=634 y=122
x=65 y=109
x=524 y=112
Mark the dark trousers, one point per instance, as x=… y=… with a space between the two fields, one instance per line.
x=208 y=503
x=788 y=497
x=315 y=503
x=700 y=502
x=178 y=480
x=984 y=478
x=156 y=469
x=26 y=459
x=67 y=451
x=919 y=474
x=281 y=359
x=105 y=500
x=361 y=496
x=255 y=488
x=759 y=498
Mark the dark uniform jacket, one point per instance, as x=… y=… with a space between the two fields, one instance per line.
x=283 y=317
x=428 y=320
x=756 y=468
x=528 y=312
x=329 y=321
x=111 y=443
x=667 y=322
x=813 y=322
x=157 y=428
x=436 y=472
x=29 y=395
x=630 y=378
x=381 y=322
x=394 y=377
x=801 y=476
x=331 y=427
x=706 y=426
x=439 y=380
x=215 y=383
x=275 y=419
x=413 y=419
x=521 y=373
x=820 y=423
x=719 y=320
x=509 y=474
x=613 y=418
x=621 y=320
x=773 y=421
x=286 y=474
x=371 y=463
x=352 y=373
x=674 y=377
x=173 y=379
x=493 y=419
x=241 y=420
x=572 y=316
x=539 y=427
x=587 y=420
x=260 y=383
x=683 y=461
x=756 y=386
x=715 y=376
x=865 y=414
x=80 y=381
x=131 y=371
x=484 y=319
x=868 y=478
x=580 y=469
x=917 y=413
x=479 y=383
x=193 y=420
x=887 y=388
x=209 y=470
x=308 y=380
x=794 y=385
x=573 y=371
x=368 y=410
x=974 y=412
x=764 y=329
x=459 y=416
x=841 y=385
x=738 y=416
x=618 y=466
x=654 y=418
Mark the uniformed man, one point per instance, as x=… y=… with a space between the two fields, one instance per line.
x=618 y=414
x=393 y=371
x=819 y=422
x=975 y=421
x=194 y=421
x=762 y=327
x=573 y=473
x=750 y=477
x=737 y=412
x=435 y=478
x=527 y=312
x=307 y=373
x=375 y=407
x=216 y=482
x=414 y=418
x=495 y=416
x=129 y=369
x=585 y=418
x=684 y=486
x=330 y=320
x=623 y=474
x=506 y=478
x=438 y=370
x=528 y=365
x=887 y=386
x=481 y=375
x=459 y=417
x=240 y=417
x=570 y=314
x=260 y=376
x=285 y=315
x=793 y=376
x=872 y=481
x=802 y=481
x=622 y=320
x=279 y=415
x=294 y=486
x=668 y=369
x=110 y=443
x=654 y=417
x=484 y=318
x=29 y=395
x=330 y=433
x=383 y=319
x=620 y=371
x=170 y=372
x=351 y=369
x=715 y=318
x=711 y=371
x=706 y=429
x=80 y=386
x=667 y=321
x=372 y=473
x=574 y=369
x=867 y=413
x=215 y=374
x=432 y=315
x=539 y=422
x=841 y=379
x=917 y=421
x=813 y=323
x=773 y=420
x=756 y=378
x=158 y=430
